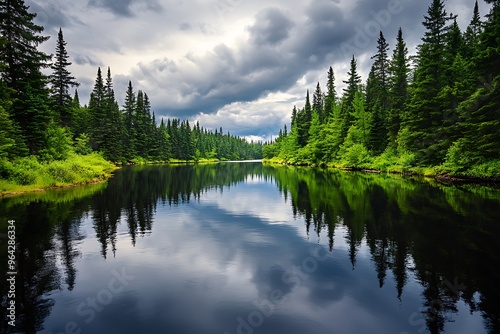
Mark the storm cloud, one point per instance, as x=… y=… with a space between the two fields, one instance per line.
x=231 y=62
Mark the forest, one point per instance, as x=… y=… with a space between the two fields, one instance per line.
x=48 y=138
x=434 y=113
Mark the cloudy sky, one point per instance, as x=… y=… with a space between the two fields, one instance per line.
x=238 y=64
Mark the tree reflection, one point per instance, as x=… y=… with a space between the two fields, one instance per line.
x=439 y=235
x=437 y=232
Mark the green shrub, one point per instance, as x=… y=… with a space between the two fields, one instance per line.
x=60 y=172
x=58 y=144
x=82 y=144
x=457 y=160
x=25 y=170
x=356 y=156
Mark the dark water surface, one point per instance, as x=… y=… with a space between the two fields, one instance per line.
x=246 y=248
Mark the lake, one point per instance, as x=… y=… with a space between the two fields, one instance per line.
x=246 y=248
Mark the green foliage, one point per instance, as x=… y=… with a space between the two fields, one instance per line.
x=25 y=171
x=23 y=73
x=61 y=80
x=59 y=144
x=457 y=159
x=6 y=132
x=30 y=173
x=82 y=144
x=355 y=156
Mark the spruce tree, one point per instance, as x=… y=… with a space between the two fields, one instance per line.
x=353 y=86
x=377 y=97
x=331 y=94
x=318 y=103
x=398 y=91
x=304 y=117
x=294 y=116
x=23 y=73
x=455 y=45
x=382 y=72
x=482 y=111
x=129 y=110
x=61 y=81
x=6 y=133
x=473 y=33
x=98 y=119
x=114 y=134
x=425 y=114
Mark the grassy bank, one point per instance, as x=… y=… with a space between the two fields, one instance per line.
x=29 y=174
x=485 y=172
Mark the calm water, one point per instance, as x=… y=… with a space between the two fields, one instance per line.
x=246 y=248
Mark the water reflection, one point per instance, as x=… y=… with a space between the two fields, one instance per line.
x=208 y=245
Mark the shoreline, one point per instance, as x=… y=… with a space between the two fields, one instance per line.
x=445 y=178
x=26 y=189
x=5 y=194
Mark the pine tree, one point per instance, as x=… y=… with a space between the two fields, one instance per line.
x=482 y=111
x=61 y=80
x=23 y=73
x=331 y=94
x=129 y=110
x=318 y=103
x=425 y=114
x=473 y=33
x=294 y=116
x=98 y=120
x=488 y=58
x=353 y=86
x=398 y=91
x=378 y=133
x=304 y=118
x=114 y=133
x=455 y=44
x=382 y=72
x=377 y=96
x=142 y=121
x=6 y=133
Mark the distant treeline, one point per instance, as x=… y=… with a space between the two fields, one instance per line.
x=439 y=108
x=39 y=117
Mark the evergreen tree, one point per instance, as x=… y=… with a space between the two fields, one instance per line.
x=455 y=44
x=398 y=91
x=6 y=133
x=353 y=86
x=331 y=94
x=23 y=73
x=377 y=96
x=381 y=69
x=129 y=110
x=80 y=120
x=318 y=103
x=482 y=111
x=304 y=118
x=114 y=134
x=61 y=81
x=488 y=58
x=98 y=120
x=473 y=33
x=378 y=132
x=76 y=99
x=294 y=116
x=425 y=114
x=140 y=125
